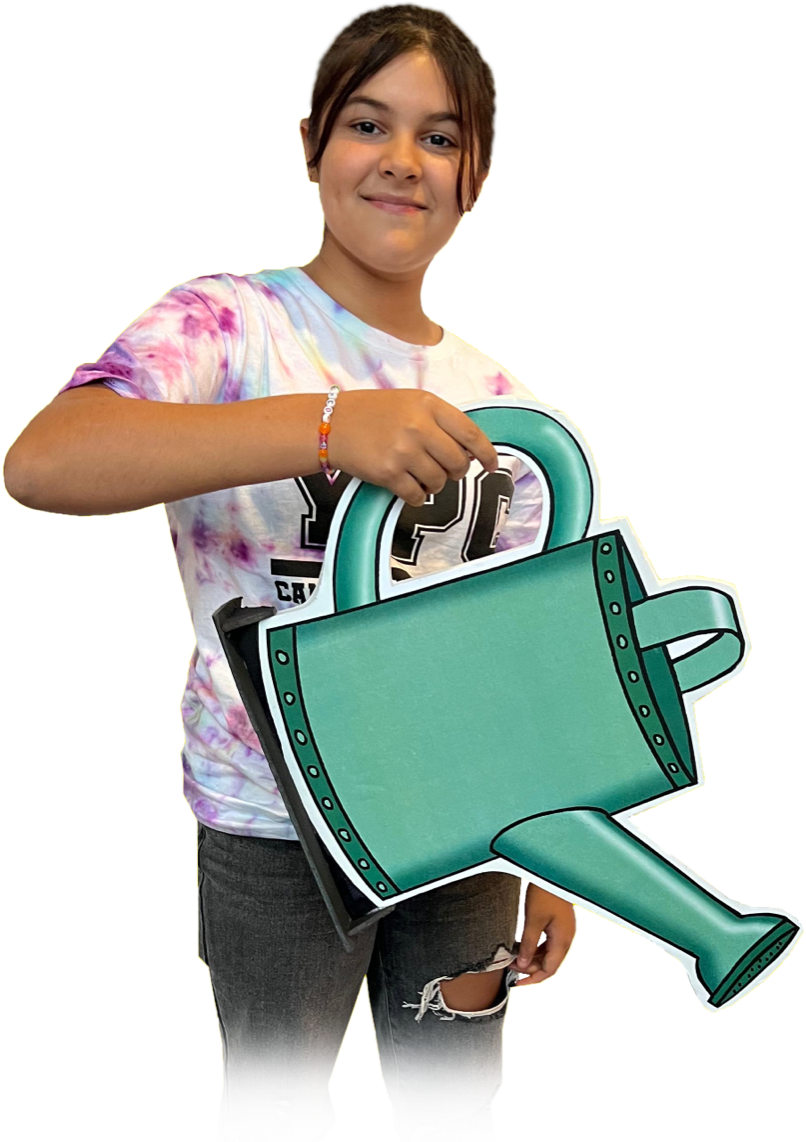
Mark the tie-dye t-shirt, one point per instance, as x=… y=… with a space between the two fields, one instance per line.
x=225 y=337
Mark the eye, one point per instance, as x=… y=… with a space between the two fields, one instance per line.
x=435 y=135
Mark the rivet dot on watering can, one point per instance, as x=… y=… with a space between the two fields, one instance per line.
x=290 y=698
x=281 y=656
x=644 y=711
x=381 y=886
x=673 y=767
x=300 y=736
x=345 y=836
x=314 y=772
x=622 y=641
x=606 y=548
x=363 y=863
x=609 y=576
x=633 y=677
x=615 y=608
x=328 y=804
x=657 y=739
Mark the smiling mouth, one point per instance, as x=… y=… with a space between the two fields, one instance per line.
x=395 y=207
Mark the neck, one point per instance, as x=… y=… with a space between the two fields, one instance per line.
x=389 y=303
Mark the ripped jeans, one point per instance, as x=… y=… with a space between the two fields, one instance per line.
x=285 y=988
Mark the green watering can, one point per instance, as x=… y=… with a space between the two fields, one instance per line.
x=407 y=758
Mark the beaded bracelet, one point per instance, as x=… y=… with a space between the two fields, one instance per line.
x=324 y=429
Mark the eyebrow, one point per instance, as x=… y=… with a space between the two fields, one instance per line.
x=436 y=116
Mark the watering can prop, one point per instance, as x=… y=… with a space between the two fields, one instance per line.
x=407 y=759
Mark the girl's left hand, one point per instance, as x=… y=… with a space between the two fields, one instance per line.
x=554 y=916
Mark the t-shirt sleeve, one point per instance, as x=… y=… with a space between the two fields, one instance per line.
x=175 y=351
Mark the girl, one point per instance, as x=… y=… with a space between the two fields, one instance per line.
x=229 y=376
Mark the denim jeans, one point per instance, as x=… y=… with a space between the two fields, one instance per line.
x=285 y=987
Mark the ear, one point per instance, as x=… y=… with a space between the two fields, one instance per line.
x=303 y=130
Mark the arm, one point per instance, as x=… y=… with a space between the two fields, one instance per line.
x=93 y=452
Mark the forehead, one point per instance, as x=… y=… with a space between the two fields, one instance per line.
x=412 y=84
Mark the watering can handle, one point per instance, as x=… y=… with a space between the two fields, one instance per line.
x=688 y=611
x=557 y=455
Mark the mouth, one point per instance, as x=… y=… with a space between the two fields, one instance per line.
x=395 y=207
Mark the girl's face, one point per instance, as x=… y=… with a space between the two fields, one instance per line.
x=410 y=149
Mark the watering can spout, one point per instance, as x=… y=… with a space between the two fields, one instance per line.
x=595 y=858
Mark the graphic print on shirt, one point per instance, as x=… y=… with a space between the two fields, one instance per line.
x=476 y=506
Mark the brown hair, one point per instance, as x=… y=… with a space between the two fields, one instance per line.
x=377 y=37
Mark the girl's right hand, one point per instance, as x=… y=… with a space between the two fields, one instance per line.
x=407 y=440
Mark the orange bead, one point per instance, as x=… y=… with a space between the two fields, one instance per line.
x=323 y=453
x=324 y=427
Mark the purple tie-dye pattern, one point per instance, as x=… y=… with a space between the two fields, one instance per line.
x=499 y=386
x=223 y=338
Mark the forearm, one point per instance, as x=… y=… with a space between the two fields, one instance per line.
x=115 y=454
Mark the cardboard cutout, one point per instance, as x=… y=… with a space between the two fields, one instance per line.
x=407 y=759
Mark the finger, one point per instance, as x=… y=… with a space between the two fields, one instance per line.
x=536 y=975
x=526 y=954
x=554 y=957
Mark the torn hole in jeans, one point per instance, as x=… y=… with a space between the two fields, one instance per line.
x=433 y=999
